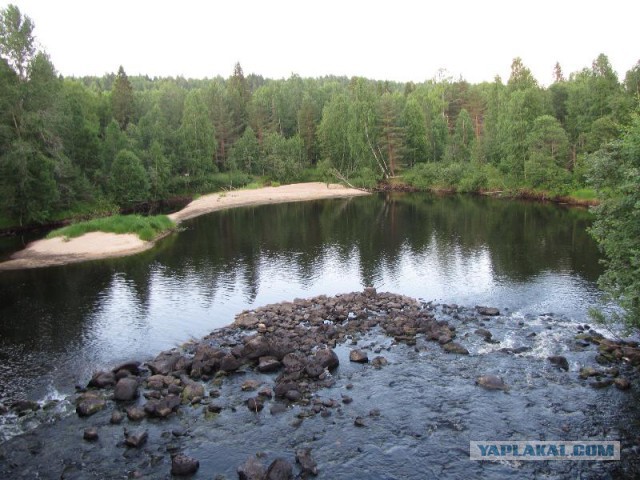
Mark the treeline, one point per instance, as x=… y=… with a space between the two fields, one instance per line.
x=82 y=145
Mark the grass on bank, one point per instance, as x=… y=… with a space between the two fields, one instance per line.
x=147 y=228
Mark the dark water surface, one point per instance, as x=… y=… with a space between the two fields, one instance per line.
x=57 y=325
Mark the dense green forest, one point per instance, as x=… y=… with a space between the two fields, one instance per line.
x=82 y=147
x=98 y=144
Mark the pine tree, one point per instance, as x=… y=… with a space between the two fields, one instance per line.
x=122 y=99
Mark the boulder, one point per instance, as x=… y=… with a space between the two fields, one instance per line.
x=89 y=404
x=358 y=356
x=133 y=367
x=279 y=469
x=90 y=434
x=135 y=439
x=560 y=362
x=256 y=347
x=268 y=364
x=307 y=464
x=191 y=391
x=491 y=382
x=135 y=414
x=252 y=469
x=488 y=311
x=164 y=363
x=229 y=363
x=255 y=404
x=327 y=358
x=102 y=380
x=126 y=389
x=184 y=465
x=454 y=347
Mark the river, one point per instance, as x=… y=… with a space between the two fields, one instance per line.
x=58 y=325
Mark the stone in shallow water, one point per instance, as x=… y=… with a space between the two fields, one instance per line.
x=89 y=404
x=488 y=311
x=454 y=347
x=252 y=469
x=560 y=362
x=491 y=382
x=358 y=356
x=307 y=464
x=184 y=465
x=90 y=434
x=135 y=439
x=126 y=389
x=279 y=469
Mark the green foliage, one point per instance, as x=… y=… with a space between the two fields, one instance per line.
x=128 y=181
x=17 y=43
x=122 y=100
x=59 y=138
x=147 y=228
x=615 y=173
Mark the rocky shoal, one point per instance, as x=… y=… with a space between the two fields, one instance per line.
x=293 y=343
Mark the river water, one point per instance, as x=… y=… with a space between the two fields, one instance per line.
x=535 y=262
x=58 y=325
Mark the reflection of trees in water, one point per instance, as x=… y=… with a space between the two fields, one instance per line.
x=521 y=240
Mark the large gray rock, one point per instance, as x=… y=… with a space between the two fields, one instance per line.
x=327 y=358
x=491 y=382
x=88 y=405
x=184 y=465
x=126 y=389
x=252 y=469
x=279 y=469
x=102 y=380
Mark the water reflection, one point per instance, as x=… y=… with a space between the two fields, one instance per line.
x=65 y=322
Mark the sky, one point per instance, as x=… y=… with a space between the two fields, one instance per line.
x=398 y=40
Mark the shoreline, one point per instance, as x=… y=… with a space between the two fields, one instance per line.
x=100 y=245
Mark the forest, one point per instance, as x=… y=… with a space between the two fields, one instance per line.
x=91 y=146
x=77 y=148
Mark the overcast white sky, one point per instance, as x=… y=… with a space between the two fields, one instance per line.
x=387 y=40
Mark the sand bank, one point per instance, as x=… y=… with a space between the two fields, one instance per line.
x=97 y=245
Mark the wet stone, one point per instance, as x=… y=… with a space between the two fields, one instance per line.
x=126 y=389
x=279 y=469
x=135 y=439
x=90 y=434
x=307 y=464
x=359 y=422
x=135 y=414
x=358 y=356
x=184 y=465
x=89 y=405
x=255 y=404
x=491 y=382
x=488 y=311
x=252 y=469
x=116 y=417
x=454 y=347
x=622 y=383
x=560 y=362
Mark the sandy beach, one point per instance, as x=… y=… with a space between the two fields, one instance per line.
x=97 y=245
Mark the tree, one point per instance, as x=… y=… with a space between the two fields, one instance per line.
x=615 y=173
x=17 y=44
x=547 y=153
x=245 y=153
x=417 y=146
x=461 y=144
x=198 y=135
x=122 y=99
x=391 y=137
x=240 y=96
x=128 y=182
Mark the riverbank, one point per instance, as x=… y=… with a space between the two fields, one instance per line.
x=360 y=385
x=99 y=245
